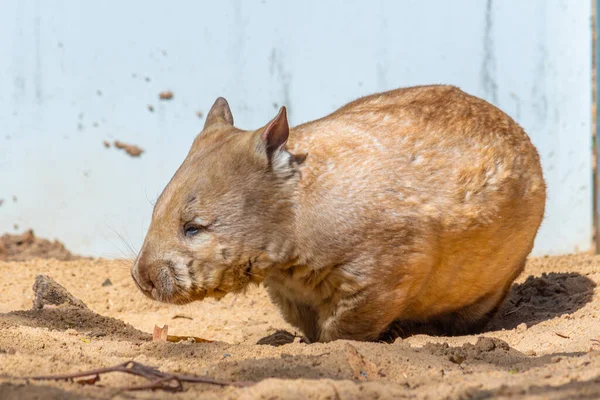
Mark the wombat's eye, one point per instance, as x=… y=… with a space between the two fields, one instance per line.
x=191 y=229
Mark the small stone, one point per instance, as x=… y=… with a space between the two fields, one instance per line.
x=522 y=327
x=456 y=358
x=279 y=338
x=107 y=282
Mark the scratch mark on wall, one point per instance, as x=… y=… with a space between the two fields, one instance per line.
x=517 y=100
x=278 y=71
x=383 y=59
x=38 y=54
x=238 y=52
x=18 y=62
x=539 y=87
x=488 y=68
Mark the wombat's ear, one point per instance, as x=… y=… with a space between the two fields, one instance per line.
x=275 y=134
x=219 y=113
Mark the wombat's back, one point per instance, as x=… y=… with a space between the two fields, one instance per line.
x=426 y=185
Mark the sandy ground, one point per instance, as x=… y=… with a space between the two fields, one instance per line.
x=541 y=345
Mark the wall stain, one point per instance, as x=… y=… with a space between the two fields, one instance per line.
x=488 y=67
x=239 y=46
x=538 y=90
x=278 y=71
x=18 y=56
x=37 y=79
x=383 y=59
x=517 y=100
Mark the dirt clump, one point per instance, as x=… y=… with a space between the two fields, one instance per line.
x=27 y=246
x=50 y=293
x=132 y=150
x=165 y=95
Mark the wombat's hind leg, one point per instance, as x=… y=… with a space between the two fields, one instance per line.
x=468 y=320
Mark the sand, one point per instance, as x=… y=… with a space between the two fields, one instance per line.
x=542 y=344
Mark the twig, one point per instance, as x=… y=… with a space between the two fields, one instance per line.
x=514 y=310
x=562 y=336
x=158 y=380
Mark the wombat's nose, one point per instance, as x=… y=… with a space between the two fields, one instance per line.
x=140 y=275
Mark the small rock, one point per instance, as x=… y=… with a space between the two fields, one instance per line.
x=522 y=327
x=107 y=282
x=456 y=358
x=279 y=338
x=71 y=332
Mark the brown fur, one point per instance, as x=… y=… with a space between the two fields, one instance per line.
x=406 y=211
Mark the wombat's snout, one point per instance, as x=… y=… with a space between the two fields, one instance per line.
x=163 y=279
x=141 y=277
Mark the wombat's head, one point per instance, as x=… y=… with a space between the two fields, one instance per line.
x=224 y=217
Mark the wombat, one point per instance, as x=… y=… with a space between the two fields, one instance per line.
x=406 y=211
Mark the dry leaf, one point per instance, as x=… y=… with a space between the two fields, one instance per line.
x=160 y=334
x=89 y=381
x=363 y=369
x=175 y=339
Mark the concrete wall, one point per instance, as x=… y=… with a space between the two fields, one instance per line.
x=73 y=74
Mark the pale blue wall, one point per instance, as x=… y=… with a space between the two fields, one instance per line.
x=532 y=58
